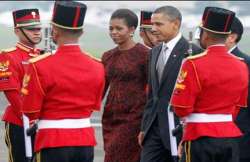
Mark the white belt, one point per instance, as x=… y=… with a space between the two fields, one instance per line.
x=64 y=123
x=206 y=118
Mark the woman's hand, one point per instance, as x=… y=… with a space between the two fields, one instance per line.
x=140 y=138
x=180 y=148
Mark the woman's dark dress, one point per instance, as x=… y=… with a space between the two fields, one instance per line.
x=126 y=74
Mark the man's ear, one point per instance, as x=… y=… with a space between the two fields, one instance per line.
x=177 y=24
x=82 y=33
x=54 y=31
x=233 y=37
x=16 y=31
x=141 y=33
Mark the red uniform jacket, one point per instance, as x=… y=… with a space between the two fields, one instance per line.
x=66 y=85
x=214 y=82
x=11 y=79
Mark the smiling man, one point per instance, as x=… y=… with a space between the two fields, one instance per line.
x=164 y=62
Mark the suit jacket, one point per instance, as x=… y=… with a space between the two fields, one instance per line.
x=243 y=119
x=160 y=93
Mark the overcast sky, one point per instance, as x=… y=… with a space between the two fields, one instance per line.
x=99 y=12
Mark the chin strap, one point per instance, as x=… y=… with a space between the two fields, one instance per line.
x=148 y=38
x=28 y=37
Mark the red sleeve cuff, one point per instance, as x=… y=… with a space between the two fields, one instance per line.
x=32 y=115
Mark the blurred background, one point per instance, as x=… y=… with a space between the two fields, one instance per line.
x=96 y=38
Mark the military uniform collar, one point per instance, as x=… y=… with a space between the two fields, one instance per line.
x=33 y=52
x=24 y=47
x=71 y=44
x=217 y=47
x=69 y=47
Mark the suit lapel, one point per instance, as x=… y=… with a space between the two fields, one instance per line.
x=236 y=52
x=155 y=55
x=177 y=53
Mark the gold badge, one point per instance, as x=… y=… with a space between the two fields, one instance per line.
x=182 y=76
x=180 y=86
x=24 y=91
x=5 y=74
x=26 y=80
x=4 y=66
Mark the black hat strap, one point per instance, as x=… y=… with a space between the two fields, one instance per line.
x=27 y=36
x=146 y=34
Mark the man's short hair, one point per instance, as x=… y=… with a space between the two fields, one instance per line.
x=221 y=37
x=70 y=32
x=237 y=28
x=170 y=11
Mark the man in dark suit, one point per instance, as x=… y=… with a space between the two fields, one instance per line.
x=243 y=118
x=165 y=61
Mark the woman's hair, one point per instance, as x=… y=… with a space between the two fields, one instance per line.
x=129 y=17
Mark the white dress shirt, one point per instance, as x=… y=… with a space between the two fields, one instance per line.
x=170 y=46
x=166 y=50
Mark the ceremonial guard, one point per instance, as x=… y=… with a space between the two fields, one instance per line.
x=28 y=31
x=206 y=96
x=62 y=90
x=146 y=32
x=243 y=118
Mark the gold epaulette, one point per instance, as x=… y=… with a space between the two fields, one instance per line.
x=91 y=56
x=237 y=57
x=40 y=57
x=8 y=50
x=197 y=55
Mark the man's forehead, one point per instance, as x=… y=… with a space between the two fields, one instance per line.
x=159 y=16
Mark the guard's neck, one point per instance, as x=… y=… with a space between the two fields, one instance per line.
x=61 y=42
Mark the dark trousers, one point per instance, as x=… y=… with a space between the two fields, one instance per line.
x=208 y=149
x=66 y=154
x=244 y=160
x=14 y=138
x=244 y=146
x=153 y=149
